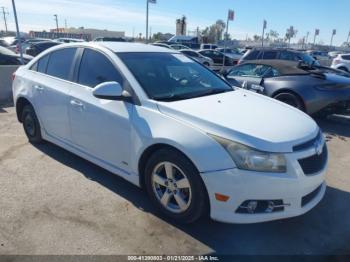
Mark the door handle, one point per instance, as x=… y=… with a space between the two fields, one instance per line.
x=38 y=88
x=76 y=103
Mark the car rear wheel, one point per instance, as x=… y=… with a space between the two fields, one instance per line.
x=290 y=99
x=31 y=125
x=174 y=186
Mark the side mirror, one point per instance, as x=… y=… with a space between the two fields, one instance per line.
x=111 y=91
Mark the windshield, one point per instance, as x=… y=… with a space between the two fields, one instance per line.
x=171 y=77
x=5 y=51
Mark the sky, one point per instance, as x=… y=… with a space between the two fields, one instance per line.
x=129 y=16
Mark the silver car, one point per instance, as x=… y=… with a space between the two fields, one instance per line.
x=198 y=57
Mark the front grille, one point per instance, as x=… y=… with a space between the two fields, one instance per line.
x=307 y=144
x=315 y=163
x=309 y=197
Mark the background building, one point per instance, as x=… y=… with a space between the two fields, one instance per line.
x=181 y=26
x=94 y=32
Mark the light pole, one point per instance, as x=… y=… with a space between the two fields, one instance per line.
x=17 y=32
x=56 y=19
x=334 y=32
x=147 y=9
x=307 y=38
x=263 y=33
x=347 y=41
x=4 y=15
x=317 y=32
x=230 y=17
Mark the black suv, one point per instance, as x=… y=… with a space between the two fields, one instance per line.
x=281 y=54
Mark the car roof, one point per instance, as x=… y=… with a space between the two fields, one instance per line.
x=284 y=67
x=121 y=47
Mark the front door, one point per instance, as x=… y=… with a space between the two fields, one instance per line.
x=100 y=128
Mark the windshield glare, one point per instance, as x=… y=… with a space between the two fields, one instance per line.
x=171 y=77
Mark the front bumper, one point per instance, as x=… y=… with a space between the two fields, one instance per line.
x=242 y=185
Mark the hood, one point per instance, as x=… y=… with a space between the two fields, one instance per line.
x=338 y=79
x=245 y=117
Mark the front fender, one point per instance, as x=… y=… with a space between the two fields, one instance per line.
x=150 y=127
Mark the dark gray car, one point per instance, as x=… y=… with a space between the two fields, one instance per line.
x=311 y=89
x=278 y=53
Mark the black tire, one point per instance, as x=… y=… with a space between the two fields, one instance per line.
x=290 y=99
x=199 y=198
x=31 y=125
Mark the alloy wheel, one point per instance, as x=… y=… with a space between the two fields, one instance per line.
x=171 y=187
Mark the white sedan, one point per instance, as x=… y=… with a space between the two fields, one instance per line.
x=170 y=125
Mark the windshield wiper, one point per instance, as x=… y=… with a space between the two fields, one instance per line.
x=175 y=97
x=169 y=98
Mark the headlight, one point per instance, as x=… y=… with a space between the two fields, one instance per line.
x=248 y=158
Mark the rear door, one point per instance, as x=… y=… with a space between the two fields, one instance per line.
x=51 y=87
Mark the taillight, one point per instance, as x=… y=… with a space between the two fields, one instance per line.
x=336 y=61
x=17 y=48
x=13 y=76
x=238 y=62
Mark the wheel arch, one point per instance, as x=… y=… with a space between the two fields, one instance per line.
x=287 y=90
x=147 y=152
x=20 y=104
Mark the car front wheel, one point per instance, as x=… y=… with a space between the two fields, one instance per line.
x=175 y=186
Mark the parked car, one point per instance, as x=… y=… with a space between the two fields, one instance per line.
x=218 y=59
x=234 y=54
x=109 y=39
x=27 y=43
x=36 y=48
x=276 y=53
x=69 y=40
x=198 y=57
x=208 y=46
x=3 y=43
x=11 y=40
x=179 y=47
x=334 y=54
x=321 y=56
x=310 y=89
x=161 y=45
x=8 y=57
x=342 y=62
x=168 y=124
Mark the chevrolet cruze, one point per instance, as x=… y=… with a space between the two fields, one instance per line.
x=168 y=124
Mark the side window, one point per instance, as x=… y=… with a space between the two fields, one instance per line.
x=42 y=64
x=346 y=57
x=271 y=72
x=270 y=55
x=250 y=70
x=243 y=70
x=8 y=60
x=95 y=68
x=60 y=63
x=192 y=54
x=285 y=55
x=252 y=55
